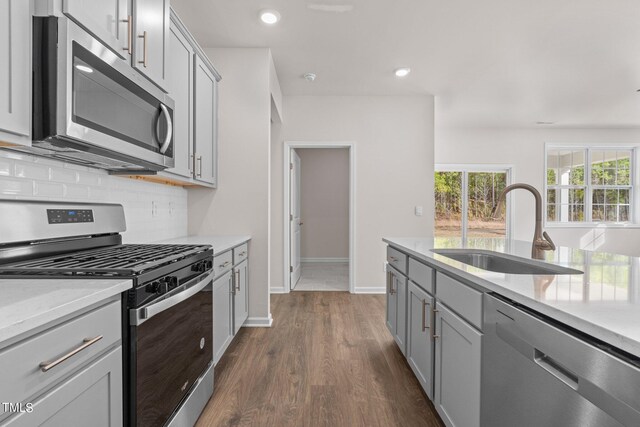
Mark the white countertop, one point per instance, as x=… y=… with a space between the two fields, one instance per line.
x=27 y=304
x=604 y=302
x=220 y=244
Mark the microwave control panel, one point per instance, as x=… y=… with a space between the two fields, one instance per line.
x=69 y=216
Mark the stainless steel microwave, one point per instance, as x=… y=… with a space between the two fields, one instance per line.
x=91 y=107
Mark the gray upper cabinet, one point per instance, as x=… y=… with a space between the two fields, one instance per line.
x=180 y=85
x=151 y=34
x=419 y=336
x=240 y=295
x=15 y=72
x=108 y=20
x=457 y=370
x=205 y=123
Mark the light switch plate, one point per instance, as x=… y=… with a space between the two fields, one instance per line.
x=418 y=210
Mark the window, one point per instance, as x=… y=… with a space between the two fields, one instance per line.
x=589 y=185
x=465 y=197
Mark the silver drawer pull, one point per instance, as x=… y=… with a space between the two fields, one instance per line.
x=393 y=259
x=45 y=366
x=225 y=264
x=243 y=253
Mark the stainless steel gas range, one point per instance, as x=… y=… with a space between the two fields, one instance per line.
x=167 y=316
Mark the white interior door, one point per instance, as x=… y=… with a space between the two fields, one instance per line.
x=294 y=218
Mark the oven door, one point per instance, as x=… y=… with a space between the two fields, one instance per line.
x=98 y=103
x=173 y=347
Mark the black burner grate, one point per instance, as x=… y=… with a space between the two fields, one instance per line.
x=121 y=260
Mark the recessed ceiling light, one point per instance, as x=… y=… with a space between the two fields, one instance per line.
x=309 y=77
x=402 y=72
x=545 y=123
x=84 y=68
x=269 y=16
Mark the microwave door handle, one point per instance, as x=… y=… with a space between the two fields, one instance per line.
x=141 y=315
x=167 y=138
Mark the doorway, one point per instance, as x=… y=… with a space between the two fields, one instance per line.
x=319 y=212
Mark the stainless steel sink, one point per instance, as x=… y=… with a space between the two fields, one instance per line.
x=502 y=263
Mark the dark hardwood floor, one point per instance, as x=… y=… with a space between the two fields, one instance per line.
x=328 y=360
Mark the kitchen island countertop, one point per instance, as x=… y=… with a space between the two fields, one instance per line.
x=604 y=302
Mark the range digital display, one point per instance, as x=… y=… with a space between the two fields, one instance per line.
x=69 y=216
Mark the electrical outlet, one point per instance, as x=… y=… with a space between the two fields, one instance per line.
x=154 y=209
x=418 y=210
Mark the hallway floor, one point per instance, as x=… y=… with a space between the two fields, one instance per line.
x=328 y=360
x=324 y=276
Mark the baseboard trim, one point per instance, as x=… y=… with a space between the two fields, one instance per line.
x=278 y=290
x=258 y=322
x=320 y=260
x=370 y=290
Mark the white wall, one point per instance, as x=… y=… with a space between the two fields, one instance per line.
x=524 y=149
x=324 y=197
x=241 y=203
x=28 y=177
x=394 y=143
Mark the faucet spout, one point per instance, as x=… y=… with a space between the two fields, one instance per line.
x=541 y=240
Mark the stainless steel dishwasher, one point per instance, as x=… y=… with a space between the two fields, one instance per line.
x=537 y=372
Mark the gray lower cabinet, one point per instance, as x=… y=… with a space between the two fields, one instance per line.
x=397 y=307
x=419 y=336
x=222 y=314
x=457 y=369
x=91 y=397
x=15 y=72
x=240 y=295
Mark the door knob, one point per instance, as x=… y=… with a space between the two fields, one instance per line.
x=301 y=223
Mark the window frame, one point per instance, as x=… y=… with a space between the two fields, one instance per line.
x=634 y=187
x=465 y=169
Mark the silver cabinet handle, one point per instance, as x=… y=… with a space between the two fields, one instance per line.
x=424 y=315
x=167 y=138
x=232 y=288
x=243 y=253
x=434 y=323
x=199 y=168
x=393 y=259
x=237 y=278
x=129 y=33
x=225 y=264
x=87 y=342
x=144 y=49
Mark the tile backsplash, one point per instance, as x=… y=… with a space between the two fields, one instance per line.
x=153 y=211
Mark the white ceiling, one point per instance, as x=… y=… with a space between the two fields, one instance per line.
x=505 y=63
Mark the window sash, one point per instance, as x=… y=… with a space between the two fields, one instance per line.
x=589 y=188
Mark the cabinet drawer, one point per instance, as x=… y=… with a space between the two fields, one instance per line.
x=240 y=253
x=397 y=259
x=222 y=263
x=91 y=397
x=462 y=299
x=420 y=274
x=20 y=368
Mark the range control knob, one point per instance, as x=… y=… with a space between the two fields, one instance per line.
x=153 y=288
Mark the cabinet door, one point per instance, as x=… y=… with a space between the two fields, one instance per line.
x=107 y=20
x=457 y=370
x=222 y=315
x=241 y=296
x=92 y=397
x=180 y=86
x=205 y=115
x=401 y=313
x=419 y=341
x=15 y=72
x=151 y=32
x=392 y=298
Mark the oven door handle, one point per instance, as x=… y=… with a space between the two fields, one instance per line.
x=142 y=314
